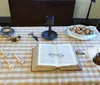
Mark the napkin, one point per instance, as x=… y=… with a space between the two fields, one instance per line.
x=91 y=53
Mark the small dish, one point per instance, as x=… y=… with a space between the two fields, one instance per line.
x=7 y=31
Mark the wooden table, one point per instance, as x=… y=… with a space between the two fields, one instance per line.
x=22 y=74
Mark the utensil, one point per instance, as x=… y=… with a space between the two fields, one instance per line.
x=35 y=37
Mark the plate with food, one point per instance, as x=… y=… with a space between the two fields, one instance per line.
x=7 y=31
x=81 y=32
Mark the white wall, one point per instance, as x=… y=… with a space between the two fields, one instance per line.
x=4 y=8
x=81 y=8
x=95 y=11
x=80 y=11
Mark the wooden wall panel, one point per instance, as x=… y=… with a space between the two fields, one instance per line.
x=33 y=12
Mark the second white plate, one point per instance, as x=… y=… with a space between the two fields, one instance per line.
x=79 y=36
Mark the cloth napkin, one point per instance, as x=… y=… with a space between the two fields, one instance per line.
x=91 y=53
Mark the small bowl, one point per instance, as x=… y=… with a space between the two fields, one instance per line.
x=6 y=30
x=96 y=59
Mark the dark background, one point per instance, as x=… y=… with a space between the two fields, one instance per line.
x=33 y=12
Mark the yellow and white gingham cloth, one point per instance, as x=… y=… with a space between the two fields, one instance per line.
x=22 y=74
x=91 y=53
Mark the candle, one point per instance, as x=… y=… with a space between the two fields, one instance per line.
x=11 y=66
x=20 y=61
x=3 y=53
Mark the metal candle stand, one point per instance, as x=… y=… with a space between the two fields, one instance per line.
x=49 y=34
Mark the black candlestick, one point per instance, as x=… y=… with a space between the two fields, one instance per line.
x=49 y=30
x=49 y=34
x=87 y=21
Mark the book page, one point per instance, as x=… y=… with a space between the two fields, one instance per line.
x=66 y=55
x=47 y=55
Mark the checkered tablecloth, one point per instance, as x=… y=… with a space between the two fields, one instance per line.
x=22 y=74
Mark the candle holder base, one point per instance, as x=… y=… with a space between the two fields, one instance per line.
x=53 y=35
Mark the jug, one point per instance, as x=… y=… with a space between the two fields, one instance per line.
x=96 y=59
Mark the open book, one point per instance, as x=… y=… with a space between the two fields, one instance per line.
x=54 y=56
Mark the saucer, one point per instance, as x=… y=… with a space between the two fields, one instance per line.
x=52 y=36
x=7 y=34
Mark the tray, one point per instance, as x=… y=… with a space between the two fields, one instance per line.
x=80 y=36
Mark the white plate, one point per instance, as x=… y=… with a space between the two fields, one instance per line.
x=79 y=36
